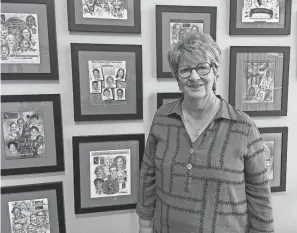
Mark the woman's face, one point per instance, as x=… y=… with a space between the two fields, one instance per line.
x=254 y=80
x=31 y=21
x=33 y=132
x=23 y=206
x=30 y=229
x=108 y=162
x=34 y=121
x=120 y=73
x=40 y=140
x=120 y=162
x=196 y=86
x=12 y=148
x=99 y=185
x=120 y=176
x=4 y=51
x=11 y=40
x=252 y=91
x=106 y=93
x=40 y=217
x=4 y=33
x=109 y=80
x=96 y=73
x=33 y=220
x=25 y=45
x=13 y=127
x=26 y=34
x=20 y=123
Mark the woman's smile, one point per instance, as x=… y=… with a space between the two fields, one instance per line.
x=196 y=86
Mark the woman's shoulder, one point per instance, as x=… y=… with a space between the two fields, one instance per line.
x=167 y=108
x=239 y=115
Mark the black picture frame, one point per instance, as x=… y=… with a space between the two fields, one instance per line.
x=52 y=43
x=161 y=97
x=181 y=10
x=284 y=80
x=108 y=28
x=283 y=166
x=58 y=137
x=76 y=48
x=56 y=186
x=261 y=30
x=76 y=141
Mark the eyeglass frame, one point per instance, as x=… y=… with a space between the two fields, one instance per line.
x=195 y=68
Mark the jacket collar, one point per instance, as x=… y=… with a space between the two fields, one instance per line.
x=226 y=111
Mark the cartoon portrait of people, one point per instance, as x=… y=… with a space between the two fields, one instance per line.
x=29 y=216
x=112 y=176
x=23 y=135
x=178 y=28
x=269 y=156
x=105 y=9
x=107 y=94
x=120 y=75
x=110 y=76
x=95 y=86
x=20 y=38
x=259 y=81
x=120 y=94
x=97 y=74
x=110 y=81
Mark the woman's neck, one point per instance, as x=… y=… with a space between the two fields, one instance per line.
x=199 y=108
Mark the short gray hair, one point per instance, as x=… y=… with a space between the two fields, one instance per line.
x=194 y=44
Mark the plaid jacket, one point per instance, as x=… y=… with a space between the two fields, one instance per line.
x=217 y=184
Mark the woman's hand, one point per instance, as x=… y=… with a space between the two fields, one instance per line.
x=145 y=226
x=145 y=229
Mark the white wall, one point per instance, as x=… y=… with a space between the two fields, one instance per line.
x=285 y=204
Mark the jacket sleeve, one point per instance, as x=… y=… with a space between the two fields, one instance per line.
x=258 y=192
x=147 y=180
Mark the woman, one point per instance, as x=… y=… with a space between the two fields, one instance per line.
x=204 y=164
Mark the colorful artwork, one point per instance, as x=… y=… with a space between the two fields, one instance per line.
x=269 y=149
x=260 y=11
x=259 y=77
x=105 y=9
x=19 y=38
x=29 y=216
x=110 y=173
x=178 y=28
x=108 y=78
x=23 y=135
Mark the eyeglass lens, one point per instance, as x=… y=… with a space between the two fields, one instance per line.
x=201 y=69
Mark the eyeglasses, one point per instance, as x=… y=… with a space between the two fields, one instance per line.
x=201 y=69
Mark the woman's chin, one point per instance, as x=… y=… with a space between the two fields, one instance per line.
x=196 y=94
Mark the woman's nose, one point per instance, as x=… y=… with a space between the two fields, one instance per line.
x=194 y=75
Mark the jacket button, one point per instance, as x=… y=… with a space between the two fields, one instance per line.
x=189 y=166
x=192 y=151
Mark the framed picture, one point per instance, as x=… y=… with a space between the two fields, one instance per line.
x=28 y=40
x=276 y=140
x=106 y=172
x=31 y=135
x=33 y=208
x=167 y=97
x=172 y=22
x=107 y=82
x=116 y=16
x=259 y=79
x=260 y=17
